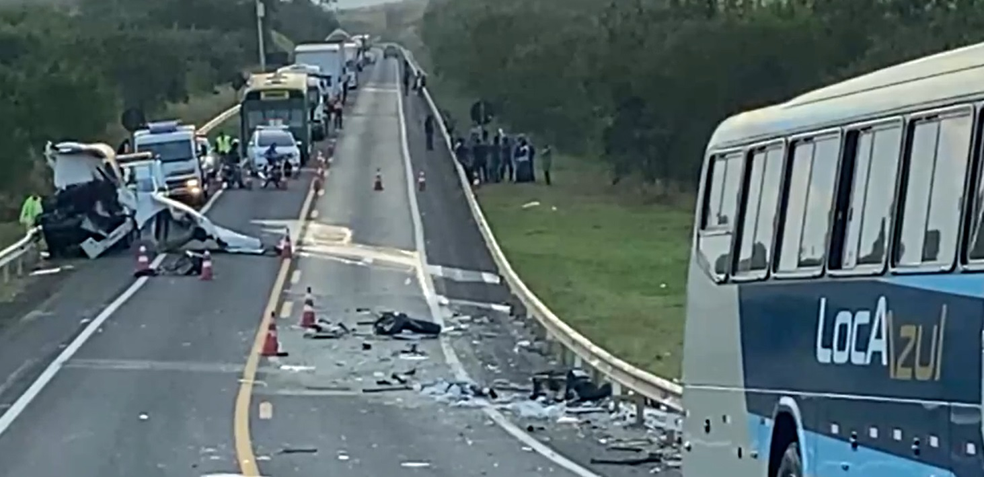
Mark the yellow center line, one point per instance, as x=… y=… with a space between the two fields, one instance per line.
x=241 y=434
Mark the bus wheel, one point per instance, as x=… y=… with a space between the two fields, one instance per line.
x=791 y=465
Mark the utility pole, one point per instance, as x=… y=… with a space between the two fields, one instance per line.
x=260 y=14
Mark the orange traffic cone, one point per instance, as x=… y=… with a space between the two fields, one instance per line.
x=206 y=267
x=307 y=316
x=143 y=261
x=286 y=249
x=378 y=183
x=271 y=344
x=421 y=182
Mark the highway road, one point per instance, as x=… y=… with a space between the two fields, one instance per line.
x=151 y=393
x=153 y=382
x=162 y=381
x=312 y=414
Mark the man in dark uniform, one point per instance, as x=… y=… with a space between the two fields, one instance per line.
x=429 y=131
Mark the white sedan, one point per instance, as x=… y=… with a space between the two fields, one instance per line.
x=265 y=136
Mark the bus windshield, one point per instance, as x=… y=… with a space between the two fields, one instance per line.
x=170 y=151
x=291 y=113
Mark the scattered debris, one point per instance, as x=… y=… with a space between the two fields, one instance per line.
x=384 y=389
x=414 y=465
x=649 y=458
x=324 y=330
x=534 y=203
x=394 y=323
x=299 y=450
x=144 y=416
x=296 y=368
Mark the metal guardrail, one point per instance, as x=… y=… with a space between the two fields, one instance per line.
x=625 y=378
x=18 y=259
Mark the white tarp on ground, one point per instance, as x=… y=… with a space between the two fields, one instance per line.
x=224 y=239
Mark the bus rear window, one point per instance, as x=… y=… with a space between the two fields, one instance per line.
x=719 y=209
x=721 y=198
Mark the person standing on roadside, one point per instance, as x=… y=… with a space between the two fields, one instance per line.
x=461 y=151
x=495 y=159
x=406 y=79
x=546 y=162
x=429 y=131
x=480 y=161
x=30 y=211
x=338 y=115
x=507 y=171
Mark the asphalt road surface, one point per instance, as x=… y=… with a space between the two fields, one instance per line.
x=327 y=407
x=155 y=390
x=151 y=392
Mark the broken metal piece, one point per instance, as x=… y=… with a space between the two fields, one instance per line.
x=384 y=389
x=393 y=323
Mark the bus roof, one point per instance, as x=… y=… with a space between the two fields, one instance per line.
x=280 y=80
x=955 y=76
x=311 y=47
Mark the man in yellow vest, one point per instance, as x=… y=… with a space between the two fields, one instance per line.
x=223 y=144
x=30 y=211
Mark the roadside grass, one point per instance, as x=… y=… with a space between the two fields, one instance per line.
x=607 y=263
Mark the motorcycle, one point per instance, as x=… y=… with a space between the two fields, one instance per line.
x=232 y=174
x=273 y=173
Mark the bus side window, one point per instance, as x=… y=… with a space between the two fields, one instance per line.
x=933 y=185
x=719 y=209
x=811 y=179
x=865 y=198
x=758 y=212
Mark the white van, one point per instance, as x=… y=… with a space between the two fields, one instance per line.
x=175 y=145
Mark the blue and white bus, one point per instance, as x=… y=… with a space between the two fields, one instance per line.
x=836 y=285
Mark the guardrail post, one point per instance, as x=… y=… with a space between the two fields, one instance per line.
x=640 y=409
x=6 y=274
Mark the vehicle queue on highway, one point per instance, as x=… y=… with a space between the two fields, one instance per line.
x=97 y=203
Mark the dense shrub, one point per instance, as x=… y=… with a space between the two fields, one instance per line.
x=642 y=83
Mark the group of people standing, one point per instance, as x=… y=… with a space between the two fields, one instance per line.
x=504 y=158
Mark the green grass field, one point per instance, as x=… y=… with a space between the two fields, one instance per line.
x=608 y=261
x=609 y=265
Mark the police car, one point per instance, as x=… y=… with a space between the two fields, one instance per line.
x=274 y=134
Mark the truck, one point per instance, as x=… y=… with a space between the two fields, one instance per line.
x=330 y=60
x=176 y=146
x=90 y=211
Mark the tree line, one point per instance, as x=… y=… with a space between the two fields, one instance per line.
x=68 y=69
x=641 y=84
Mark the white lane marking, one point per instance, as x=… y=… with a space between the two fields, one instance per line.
x=463 y=275
x=427 y=286
x=15 y=410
